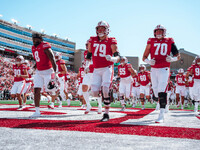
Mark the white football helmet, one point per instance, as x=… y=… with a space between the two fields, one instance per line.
x=197 y=59
x=142 y=67
x=19 y=59
x=125 y=59
x=52 y=85
x=159 y=27
x=105 y=25
x=181 y=70
x=58 y=56
x=26 y=62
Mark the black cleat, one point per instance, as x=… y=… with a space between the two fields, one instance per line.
x=105 y=118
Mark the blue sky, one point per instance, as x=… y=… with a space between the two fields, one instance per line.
x=131 y=22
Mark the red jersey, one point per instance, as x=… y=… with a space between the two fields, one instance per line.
x=196 y=71
x=91 y=68
x=159 y=51
x=143 y=78
x=59 y=63
x=42 y=61
x=100 y=49
x=82 y=73
x=85 y=55
x=67 y=76
x=191 y=81
x=19 y=70
x=29 y=75
x=180 y=80
x=123 y=70
x=135 y=81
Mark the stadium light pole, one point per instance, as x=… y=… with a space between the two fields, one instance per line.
x=29 y=26
x=43 y=31
x=14 y=21
x=55 y=35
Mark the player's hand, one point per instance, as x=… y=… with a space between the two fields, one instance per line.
x=150 y=62
x=112 y=59
x=87 y=69
x=108 y=57
x=171 y=59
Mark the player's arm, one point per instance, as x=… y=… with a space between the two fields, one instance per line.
x=116 y=54
x=149 y=77
x=51 y=57
x=132 y=71
x=25 y=74
x=188 y=73
x=89 y=53
x=146 y=54
x=63 y=68
x=175 y=53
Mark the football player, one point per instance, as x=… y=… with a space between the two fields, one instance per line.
x=61 y=71
x=20 y=73
x=160 y=48
x=125 y=70
x=135 y=89
x=80 y=76
x=145 y=80
x=195 y=71
x=28 y=81
x=45 y=66
x=180 y=87
x=104 y=53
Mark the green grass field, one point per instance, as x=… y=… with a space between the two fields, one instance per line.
x=94 y=103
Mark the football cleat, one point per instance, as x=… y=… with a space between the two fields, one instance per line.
x=105 y=118
x=35 y=115
x=51 y=106
x=123 y=108
x=88 y=109
x=20 y=108
x=143 y=107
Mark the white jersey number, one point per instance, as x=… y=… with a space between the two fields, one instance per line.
x=122 y=71
x=197 y=71
x=17 y=72
x=100 y=49
x=162 y=47
x=143 y=78
x=37 y=58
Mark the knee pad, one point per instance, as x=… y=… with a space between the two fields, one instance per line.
x=110 y=97
x=163 y=99
x=106 y=101
x=95 y=87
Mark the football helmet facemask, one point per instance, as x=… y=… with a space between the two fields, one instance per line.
x=159 y=36
x=105 y=25
x=19 y=59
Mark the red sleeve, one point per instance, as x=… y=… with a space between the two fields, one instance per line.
x=91 y=39
x=46 y=45
x=129 y=65
x=172 y=40
x=113 y=40
x=62 y=62
x=149 y=41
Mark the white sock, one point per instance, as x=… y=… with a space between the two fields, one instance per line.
x=106 y=110
x=99 y=100
x=68 y=101
x=86 y=97
x=37 y=109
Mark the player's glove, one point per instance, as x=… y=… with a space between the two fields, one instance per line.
x=171 y=59
x=110 y=58
x=87 y=69
x=150 y=62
